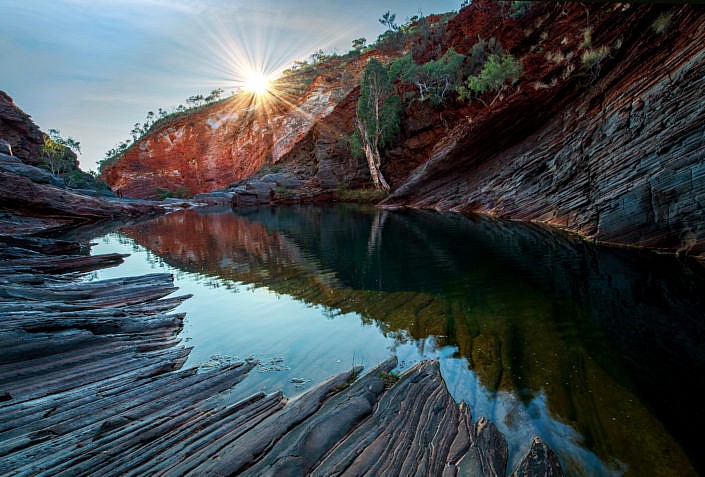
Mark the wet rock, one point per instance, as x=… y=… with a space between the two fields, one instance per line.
x=5 y=396
x=540 y=461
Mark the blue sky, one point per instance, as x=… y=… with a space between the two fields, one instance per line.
x=92 y=68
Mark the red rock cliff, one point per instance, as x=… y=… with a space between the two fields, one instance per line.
x=231 y=140
x=18 y=129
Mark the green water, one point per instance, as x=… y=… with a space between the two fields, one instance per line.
x=598 y=350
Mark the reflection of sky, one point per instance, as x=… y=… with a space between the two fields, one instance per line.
x=312 y=343
x=94 y=68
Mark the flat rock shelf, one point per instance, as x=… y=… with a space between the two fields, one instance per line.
x=91 y=384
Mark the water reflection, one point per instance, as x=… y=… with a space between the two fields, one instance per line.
x=543 y=333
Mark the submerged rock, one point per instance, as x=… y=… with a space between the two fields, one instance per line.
x=540 y=461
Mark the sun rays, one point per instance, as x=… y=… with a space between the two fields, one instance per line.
x=249 y=59
x=257 y=83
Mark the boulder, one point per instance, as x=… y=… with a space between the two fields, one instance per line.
x=215 y=198
x=13 y=165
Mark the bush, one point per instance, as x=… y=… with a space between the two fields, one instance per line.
x=180 y=192
x=434 y=79
x=355 y=145
x=592 y=57
x=497 y=71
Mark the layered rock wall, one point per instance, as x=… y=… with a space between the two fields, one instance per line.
x=622 y=162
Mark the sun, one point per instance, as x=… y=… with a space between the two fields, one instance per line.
x=257 y=83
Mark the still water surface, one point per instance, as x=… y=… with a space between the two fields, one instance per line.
x=598 y=350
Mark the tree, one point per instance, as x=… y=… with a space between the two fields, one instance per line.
x=318 y=57
x=378 y=111
x=434 y=79
x=359 y=43
x=55 y=152
x=195 y=100
x=214 y=95
x=388 y=21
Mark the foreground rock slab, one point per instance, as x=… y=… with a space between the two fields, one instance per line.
x=91 y=384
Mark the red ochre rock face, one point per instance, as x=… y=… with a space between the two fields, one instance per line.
x=221 y=144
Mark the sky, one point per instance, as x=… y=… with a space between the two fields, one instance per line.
x=93 y=68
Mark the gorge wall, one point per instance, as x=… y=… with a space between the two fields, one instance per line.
x=233 y=139
x=603 y=134
x=623 y=161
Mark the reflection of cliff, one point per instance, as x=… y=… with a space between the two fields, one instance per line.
x=599 y=331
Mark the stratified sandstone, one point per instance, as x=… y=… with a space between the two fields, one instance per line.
x=622 y=161
x=32 y=200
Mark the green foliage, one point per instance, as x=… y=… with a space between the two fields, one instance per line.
x=497 y=71
x=388 y=21
x=440 y=77
x=55 y=154
x=359 y=43
x=84 y=180
x=434 y=79
x=355 y=145
x=404 y=69
x=480 y=52
x=378 y=107
x=390 y=41
x=520 y=8
x=195 y=100
x=428 y=37
x=389 y=379
x=180 y=192
x=214 y=95
x=365 y=196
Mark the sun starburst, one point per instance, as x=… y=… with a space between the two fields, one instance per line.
x=257 y=83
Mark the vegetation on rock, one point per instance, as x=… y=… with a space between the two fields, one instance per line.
x=497 y=72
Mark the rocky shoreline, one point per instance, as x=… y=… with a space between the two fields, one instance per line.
x=91 y=381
